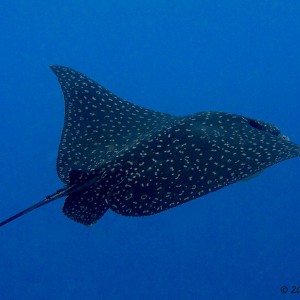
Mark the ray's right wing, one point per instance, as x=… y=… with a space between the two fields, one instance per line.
x=98 y=124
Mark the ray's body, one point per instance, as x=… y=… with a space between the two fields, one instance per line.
x=117 y=155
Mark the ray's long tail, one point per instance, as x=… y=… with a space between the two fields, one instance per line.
x=58 y=194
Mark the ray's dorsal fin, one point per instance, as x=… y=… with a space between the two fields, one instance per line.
x=98 y=124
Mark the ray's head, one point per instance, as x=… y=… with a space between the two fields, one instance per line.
x=267 y=127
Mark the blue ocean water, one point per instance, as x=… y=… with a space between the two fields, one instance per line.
x=178 y=57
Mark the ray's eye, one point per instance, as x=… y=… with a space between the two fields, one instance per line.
x=264 y=127
x=286 y=138
x=255 y=124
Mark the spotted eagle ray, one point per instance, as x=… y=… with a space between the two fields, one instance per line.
x=138 y=162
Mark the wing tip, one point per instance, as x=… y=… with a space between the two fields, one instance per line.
x=58 y=70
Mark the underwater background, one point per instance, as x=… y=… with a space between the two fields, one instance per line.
x=179 y=57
